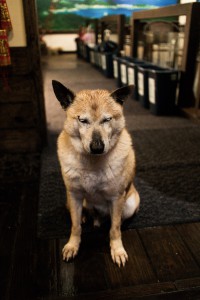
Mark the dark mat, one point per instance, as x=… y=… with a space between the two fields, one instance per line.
x=167 y=178
x=167 y=146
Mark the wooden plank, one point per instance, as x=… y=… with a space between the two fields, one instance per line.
x=28 y=265
x=20 y=167
x=22 y=283
x=8 y=217
x=18 y=115
x=10 y=198
x=137 y=270
x=46 y=273
x=20 y=60
x=190 y=233
x=170 y=257
x=176 y=295
x=21 y=140
x=133 y=292
x=10 y=193
x=32 y=35
x=86 y=273
x=21 y=90
x=26 y=61
x=93 y=269
x=186 y=284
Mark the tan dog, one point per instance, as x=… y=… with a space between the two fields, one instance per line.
x=97 y=162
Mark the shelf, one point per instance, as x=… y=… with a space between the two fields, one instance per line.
x=191 y=29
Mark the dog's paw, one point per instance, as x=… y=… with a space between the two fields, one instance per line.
x=69 y=251
x=119 y=256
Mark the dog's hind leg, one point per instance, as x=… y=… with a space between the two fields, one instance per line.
x=131 y=204
x=75 y=207
x=89 y=211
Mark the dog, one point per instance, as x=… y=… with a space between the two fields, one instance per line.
x=97 y=162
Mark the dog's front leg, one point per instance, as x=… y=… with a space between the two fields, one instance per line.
x=75 y=207
x=118 y=252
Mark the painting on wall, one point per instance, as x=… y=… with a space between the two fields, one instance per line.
x=68 y=15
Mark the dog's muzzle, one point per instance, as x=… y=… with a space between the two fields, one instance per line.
x=96 y=145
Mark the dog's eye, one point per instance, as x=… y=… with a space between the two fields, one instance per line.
x=83 y=120
x=106 y=120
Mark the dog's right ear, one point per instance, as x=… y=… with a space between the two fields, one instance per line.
x=63 y=94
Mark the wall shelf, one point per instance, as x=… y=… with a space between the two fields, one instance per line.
x=191 y=29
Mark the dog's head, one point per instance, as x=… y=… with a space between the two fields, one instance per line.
x=94 y=118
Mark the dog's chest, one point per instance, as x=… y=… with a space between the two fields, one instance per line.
x=97 y=181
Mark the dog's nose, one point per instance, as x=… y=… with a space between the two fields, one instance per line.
x=97 y=146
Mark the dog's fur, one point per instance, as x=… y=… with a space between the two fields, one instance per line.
x=97 y=162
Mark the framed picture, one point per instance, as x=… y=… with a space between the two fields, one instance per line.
x=68 y=15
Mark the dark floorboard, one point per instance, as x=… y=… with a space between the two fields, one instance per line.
x=159 y=261
x=164 y=262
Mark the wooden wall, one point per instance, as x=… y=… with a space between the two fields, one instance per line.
x=22 y=113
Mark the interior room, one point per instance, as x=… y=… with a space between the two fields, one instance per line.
x=144 y=58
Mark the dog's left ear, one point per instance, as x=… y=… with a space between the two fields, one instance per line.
x=63 y=94
x=121 y=94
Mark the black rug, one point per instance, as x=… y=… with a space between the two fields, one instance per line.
x=167 y=178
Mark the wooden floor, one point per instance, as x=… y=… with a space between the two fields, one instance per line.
x=164 y=262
